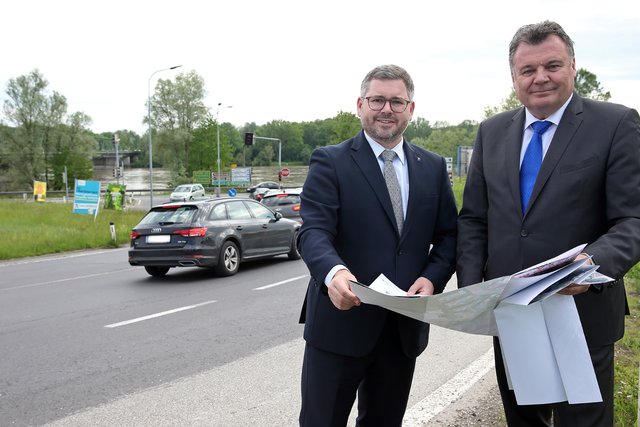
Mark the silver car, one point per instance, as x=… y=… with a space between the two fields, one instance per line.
x=185 y=192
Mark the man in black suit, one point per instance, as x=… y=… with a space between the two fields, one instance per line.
x=587 y=190
x=351 y=231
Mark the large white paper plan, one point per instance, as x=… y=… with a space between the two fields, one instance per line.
x=545 y=352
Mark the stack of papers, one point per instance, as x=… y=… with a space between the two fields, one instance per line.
x=541 y=337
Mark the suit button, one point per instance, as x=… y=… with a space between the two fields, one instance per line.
x=524 y=233
x=399 y=253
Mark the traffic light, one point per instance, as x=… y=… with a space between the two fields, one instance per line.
x=115 y=172
x=248 y=138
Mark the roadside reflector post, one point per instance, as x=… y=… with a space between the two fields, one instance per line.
x=112 y=229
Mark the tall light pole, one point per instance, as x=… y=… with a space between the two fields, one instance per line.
x=149 y=121
x=218 y=139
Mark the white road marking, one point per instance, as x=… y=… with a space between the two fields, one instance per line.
x=422 y=412
x=68 y=279
x=152 y=316
x=45 y=258
x=293 y=279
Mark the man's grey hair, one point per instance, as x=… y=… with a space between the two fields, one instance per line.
x=534 y=34
x=387 y=72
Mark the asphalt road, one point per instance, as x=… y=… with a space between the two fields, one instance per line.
x=85 y=339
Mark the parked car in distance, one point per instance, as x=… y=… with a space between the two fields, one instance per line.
x=187 y=192
x=258 y=190
x=218 y=233
x=285 y=202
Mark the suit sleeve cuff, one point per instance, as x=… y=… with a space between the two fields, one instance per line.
x=332 y=272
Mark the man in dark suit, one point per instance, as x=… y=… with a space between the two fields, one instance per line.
x=351 y=231
x=587 y=190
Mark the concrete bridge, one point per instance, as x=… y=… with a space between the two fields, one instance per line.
x=108 y=158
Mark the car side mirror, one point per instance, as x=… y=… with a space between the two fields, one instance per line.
x=278 y=216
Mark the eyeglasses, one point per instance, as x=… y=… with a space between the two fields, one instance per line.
x=377 y=103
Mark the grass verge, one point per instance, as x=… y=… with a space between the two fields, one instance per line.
x=627 y=358
x=30 y=229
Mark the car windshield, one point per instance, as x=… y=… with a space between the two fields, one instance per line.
x=170 y=215
x=182 y=189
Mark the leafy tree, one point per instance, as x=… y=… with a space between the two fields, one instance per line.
x=205 y=146
x=317 y=134
x=445 y=141
x=418 y=128
x=587 y=85
x=44 y=138
x=177 y=108
x=73 y=147
x=53 y=113
x=345 y=126
x=24 y=108
x=511 y=102
x=265 y=156
x=290 y=136
x=178 y=105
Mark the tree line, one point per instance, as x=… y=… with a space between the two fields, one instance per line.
x=40 y=139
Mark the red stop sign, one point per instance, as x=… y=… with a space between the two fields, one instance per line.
x=284 y=172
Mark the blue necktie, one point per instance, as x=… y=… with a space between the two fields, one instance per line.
x=531 y=162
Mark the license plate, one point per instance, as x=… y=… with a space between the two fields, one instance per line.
x=162 y=238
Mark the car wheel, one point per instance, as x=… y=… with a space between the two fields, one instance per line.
x=229 y=260
x=157 y=271
x=294 y=253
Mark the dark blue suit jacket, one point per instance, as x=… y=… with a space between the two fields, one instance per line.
x=348 y=219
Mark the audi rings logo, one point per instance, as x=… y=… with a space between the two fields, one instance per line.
x=156 y=230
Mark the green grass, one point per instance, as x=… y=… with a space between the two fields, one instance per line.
x=458 y=187
x=30 y=229
x=627 y=358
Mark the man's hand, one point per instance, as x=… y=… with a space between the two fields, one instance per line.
x=422 y=286
x=574 y=288
x=340 y=290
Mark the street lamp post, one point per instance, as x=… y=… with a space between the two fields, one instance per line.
x=149 y=121
x=218 y=140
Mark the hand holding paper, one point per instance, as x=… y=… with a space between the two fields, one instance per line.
x=550 y=362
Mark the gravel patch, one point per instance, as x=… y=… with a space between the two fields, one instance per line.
x=480 y=406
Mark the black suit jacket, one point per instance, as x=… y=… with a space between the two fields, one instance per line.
x=348 y=219
x=587 y=191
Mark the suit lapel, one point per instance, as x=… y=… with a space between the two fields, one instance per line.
x=567 y=128
x=365 y=159
x=416 y=181
x=513 y=144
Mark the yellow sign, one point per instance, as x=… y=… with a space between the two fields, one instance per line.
x=39 y=191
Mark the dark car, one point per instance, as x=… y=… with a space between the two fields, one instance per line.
x=256 y=191
x=286 y=202
x=218 y=233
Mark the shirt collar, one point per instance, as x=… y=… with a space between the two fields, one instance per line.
x=378 y=149
x=553 y=118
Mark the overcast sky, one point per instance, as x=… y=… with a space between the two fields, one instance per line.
x=298 y=60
